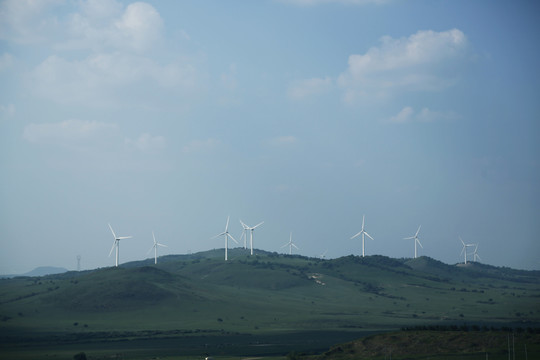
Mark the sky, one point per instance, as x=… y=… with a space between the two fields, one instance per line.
x=170 y=116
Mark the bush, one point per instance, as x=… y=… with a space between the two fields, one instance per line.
x=79 y=356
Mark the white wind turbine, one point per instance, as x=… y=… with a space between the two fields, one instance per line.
x=362 y=232
x=416 y=240
x=154 y=247
x=475 y=254
x=290 y=244
x=227 y=236
x=464 y=250
x=250 y=229
x=116 y=243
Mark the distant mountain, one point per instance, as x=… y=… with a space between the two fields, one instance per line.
x=39 y=271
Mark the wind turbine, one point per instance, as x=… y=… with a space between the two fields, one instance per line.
x=227 y=236
x=323 y=255
x=363 y=232
x=116 y=243
x=475 y=254
x=416 y=240
x=290 y=244
x=464 y=250
x=250 y=229
x=154 y=247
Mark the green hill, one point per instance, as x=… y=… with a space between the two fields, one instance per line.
x=264 y=295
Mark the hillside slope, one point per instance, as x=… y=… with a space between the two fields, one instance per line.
x=268 y=293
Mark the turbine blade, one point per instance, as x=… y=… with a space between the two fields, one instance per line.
x=124 y=237
x=158 y=244
x=152 y=248
x=287 y=244
x=112 y=249
x=419 y=243
x=462 y=241
x=213 y=237
x=409 y=238
x=363 y=218
x=110 y=227
x=244 y=226
x=229 y=235
x=153 y=237
x=259 y=224
x=417 y=231
x=360 y=233
x=295 y=246
x=227 y=225
x=369 y=236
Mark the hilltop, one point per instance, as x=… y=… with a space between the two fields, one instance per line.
x=268 y=294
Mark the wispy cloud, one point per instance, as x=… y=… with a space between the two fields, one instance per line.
x=196 y=146
x=345 y=2
x=302 y=89
x=99 y=78
x=408 y=114
x=71 y=131
x=7 y=110
x=6 y=61
x=285 y=140
x=147 y=143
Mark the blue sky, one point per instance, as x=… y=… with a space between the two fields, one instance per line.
x=169 y=116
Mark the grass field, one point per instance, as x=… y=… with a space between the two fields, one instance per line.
x=301 y=303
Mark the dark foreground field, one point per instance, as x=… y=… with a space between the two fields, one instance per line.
x=314 y=345
x=170 y=345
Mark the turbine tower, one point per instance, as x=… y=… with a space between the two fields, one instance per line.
x=464 y=250
x=290 y=244
x=227 y=236
x=416 y=240
x=116 y=243
x=78 y=262
x=250 y=229
x=363 y=232
x=154 y=247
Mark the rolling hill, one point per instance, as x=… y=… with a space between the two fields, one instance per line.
x=266 y=294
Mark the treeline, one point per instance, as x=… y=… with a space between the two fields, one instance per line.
x=466 y=327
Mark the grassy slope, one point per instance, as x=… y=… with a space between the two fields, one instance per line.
x=436 y=345
x=268 y=293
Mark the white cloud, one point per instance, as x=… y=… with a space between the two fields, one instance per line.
x=104 y=25
x=98 y=79
x=147 y=143
x=416 y=63
x=66 y=132
x=302 y=89
x=197 y=146
x=408 y=114
x=27 y=21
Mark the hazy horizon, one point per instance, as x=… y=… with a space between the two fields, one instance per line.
x=169 y=116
